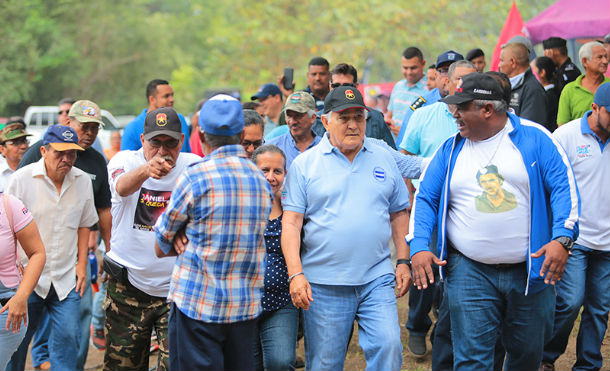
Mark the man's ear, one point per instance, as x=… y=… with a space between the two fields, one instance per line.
x=324 y=122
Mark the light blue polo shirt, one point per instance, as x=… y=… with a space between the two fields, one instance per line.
x=346 y=209
x=289 y=146
x=402 y=96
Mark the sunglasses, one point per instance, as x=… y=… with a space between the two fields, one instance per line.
x=17 y=142
x=170 y=144
x=335 y=85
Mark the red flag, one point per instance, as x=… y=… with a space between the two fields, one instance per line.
x=513 y=26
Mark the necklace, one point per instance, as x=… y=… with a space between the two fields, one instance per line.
x=483 y=168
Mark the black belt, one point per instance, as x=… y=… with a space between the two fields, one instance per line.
x=4 y=301
x=499 y=266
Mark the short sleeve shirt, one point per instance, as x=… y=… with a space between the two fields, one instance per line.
x=9 y=276
x=346 y=208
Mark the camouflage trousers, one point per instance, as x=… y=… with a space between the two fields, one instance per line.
x=131 y=315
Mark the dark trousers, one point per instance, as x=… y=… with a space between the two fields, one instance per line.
x=197 y=345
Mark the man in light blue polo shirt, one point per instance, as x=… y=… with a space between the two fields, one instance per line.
x=349 y=198
x=586 y=280
x=408 y=89
x=300 y=116
x=428 y=128
x=443 y=62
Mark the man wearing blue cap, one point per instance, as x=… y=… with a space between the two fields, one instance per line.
x=223 y=202
x=586 y=280
x=271 y=100
x=141 y=183
x=60 y=197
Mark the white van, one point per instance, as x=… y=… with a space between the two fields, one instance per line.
x=38 y=118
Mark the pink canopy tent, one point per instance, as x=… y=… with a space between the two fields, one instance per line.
x=571 y=19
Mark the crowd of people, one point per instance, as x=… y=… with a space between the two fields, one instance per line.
x=221 y=240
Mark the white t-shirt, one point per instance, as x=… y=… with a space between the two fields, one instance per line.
x=592 y=171
x=133 y=219
x=488 y=216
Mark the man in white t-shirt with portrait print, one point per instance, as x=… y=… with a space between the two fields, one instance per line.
x=504 y=197
x=141 y=183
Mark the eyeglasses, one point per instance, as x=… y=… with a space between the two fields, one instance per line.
x=17 y=142
x=335 y=85
x=64 y=112
x=169 y=144
x=93 y=128
x=443 y=71
x=255 y=144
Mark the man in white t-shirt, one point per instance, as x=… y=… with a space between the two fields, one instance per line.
x=586 y=281
x=141 y=183
x=504 y=197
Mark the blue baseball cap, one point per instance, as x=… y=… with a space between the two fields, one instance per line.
x=602 y=96
x=267 y=90
x=221 y=115
x=61 y=138
x=448 y=57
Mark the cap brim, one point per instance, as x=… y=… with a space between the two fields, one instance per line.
x=456 y=99
x=66 y=146
x=169 y=133
x=296 y=109
x=256 y=96
x=347 y=106
x=86 y=119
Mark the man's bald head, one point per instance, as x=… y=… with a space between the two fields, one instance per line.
x=514 y=59
x=519 y=52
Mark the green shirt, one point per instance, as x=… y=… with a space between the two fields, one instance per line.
x=574 y=101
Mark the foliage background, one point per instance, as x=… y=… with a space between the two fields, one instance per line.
x=107 y=50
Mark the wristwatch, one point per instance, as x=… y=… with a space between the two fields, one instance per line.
x=403 y=261
x=566 y=242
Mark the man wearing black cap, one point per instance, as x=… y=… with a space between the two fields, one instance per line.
x=141 y=183
x=477 y=57
x=342 y=270
x=556 y=49
x=499 y=261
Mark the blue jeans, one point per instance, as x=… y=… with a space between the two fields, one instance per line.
x=585 y=283
x=485 y=302
x=85 y=322
x=9 y=341
x=198 y=345
x=98 y=314
x=65 y=331
x=330 y=317
x=40 y=342
x=275 y=347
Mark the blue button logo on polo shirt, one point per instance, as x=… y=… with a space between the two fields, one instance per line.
x=379 y=174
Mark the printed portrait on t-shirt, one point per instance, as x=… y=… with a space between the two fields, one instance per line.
x=151 y=204
x=494 y=198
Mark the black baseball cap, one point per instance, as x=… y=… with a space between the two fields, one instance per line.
x=473 y=86
x=342 y=98
x=162 y=121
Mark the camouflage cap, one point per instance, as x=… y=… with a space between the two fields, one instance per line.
x=86 y=111
x=12 y=131
x=301 y=102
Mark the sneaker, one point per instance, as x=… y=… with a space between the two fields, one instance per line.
x=547 y=366
x=98 y=340
x=417 y=345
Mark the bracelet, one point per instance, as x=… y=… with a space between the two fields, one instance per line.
x=403 y=261
x=294 y=275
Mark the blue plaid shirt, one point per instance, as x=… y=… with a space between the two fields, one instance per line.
x=224 y=201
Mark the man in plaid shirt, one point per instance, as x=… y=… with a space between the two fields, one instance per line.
x=223 y=204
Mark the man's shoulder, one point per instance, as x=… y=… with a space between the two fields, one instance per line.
x=137 y=121
x=125 y=157
x=568 y=130
x=93 y=156
x=279 y=141
x=186 y=159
